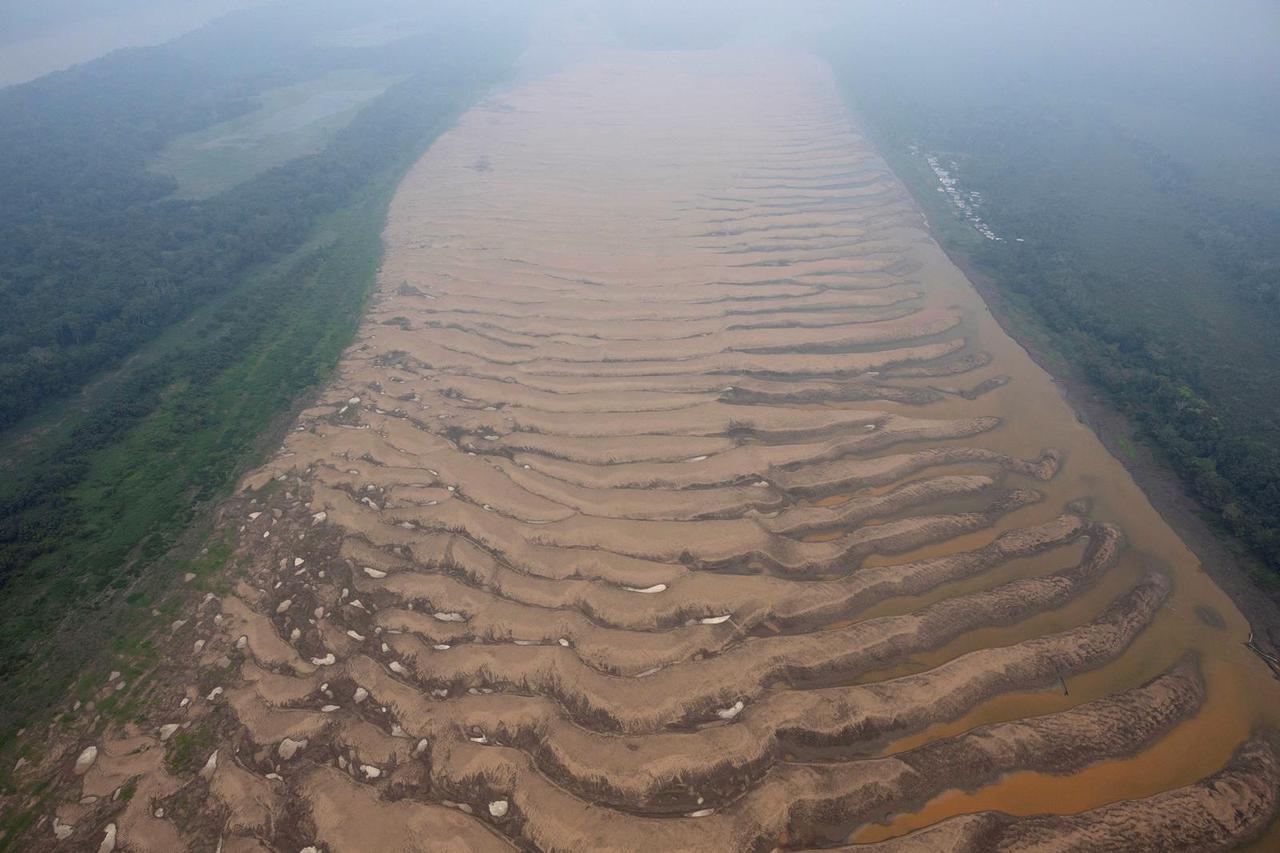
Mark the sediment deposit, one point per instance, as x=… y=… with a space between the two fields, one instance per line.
x=679 y=494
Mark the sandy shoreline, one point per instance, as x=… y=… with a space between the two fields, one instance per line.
x=1161 y=484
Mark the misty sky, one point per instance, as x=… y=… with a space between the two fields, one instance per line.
x=1236 y=41
x=39 y=37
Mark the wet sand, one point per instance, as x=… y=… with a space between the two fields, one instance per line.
x=680 y=493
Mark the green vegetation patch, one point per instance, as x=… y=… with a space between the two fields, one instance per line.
x=188 y=749
x=289 y=121
x=180 y=435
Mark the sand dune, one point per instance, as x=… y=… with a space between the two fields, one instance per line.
x=679 y=494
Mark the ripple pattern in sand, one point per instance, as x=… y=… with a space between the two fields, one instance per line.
x=651 y=502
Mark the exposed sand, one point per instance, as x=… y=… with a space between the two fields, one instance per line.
x=679 y=494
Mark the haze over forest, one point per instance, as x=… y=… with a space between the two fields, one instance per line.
x=551 y=424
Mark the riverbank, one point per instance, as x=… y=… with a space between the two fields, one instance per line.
x=1162 y=485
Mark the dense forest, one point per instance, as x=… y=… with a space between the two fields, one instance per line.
x=1137 y=204
x=148 y=343
x=95 y=258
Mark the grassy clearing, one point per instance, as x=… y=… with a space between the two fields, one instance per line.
x=289 y=122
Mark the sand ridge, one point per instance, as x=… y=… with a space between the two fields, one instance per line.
x=677 y=494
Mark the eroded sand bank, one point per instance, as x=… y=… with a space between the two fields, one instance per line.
x=680 y=494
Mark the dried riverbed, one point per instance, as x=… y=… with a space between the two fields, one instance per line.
x=680 y=493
